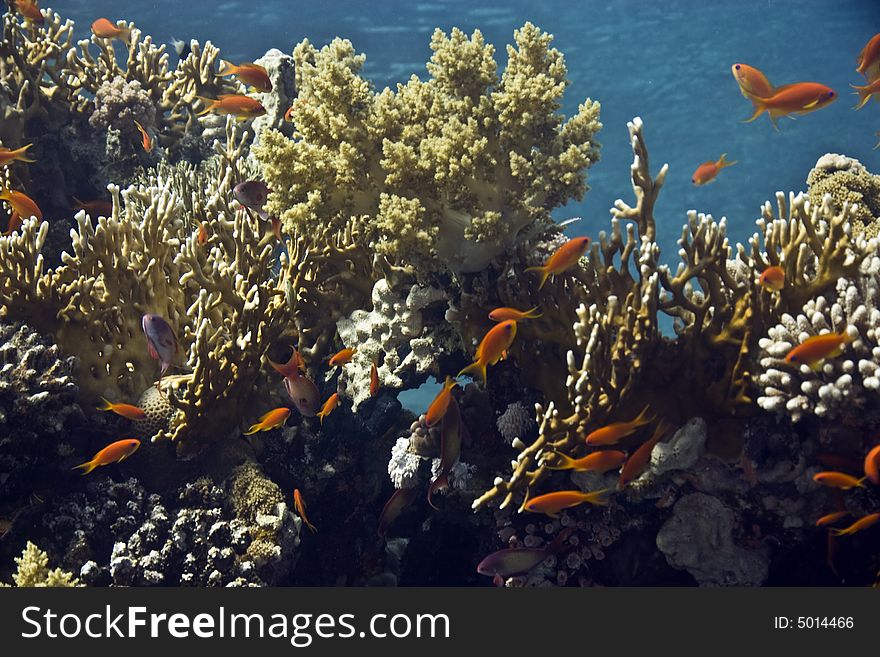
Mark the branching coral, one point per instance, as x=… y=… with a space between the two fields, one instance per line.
x=447 y=173
x=33 y=570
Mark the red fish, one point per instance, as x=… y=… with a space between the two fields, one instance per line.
x=251 y=74
x=816 y=348
x=862 y=523
x=241 y=107
x=504 y=314
x=127 y=411
x=838 y=480
x=106 y=29
x=374 y=380
x=20 y=203
x=552 y=503
x=439 y=406
x=563 y=259
x=161 y=341
x=866 y=91
x=799 y=98
x=707 y=171
x=94 y=208
x=271 y=420
x=751 y=81
x=772 y=278
x=636 y=463
x=342 y=357
x=612 y=433
x=872 y=465
x=146 y=139
x=300 y=505
x=831 y=518
x=492 y=348
x=593 y=462
x=450 y=448
x=301 y=390
x=19 y=154
x=328 y=407
x=514 y=561
x=395 y=505
x=202 y=234
x=29 y=9
x=113 y=453
x=868 y=61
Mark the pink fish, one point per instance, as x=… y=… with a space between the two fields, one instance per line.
x=450 y=448
x=252 y=194
x=161 y=341
x=513 y=561
x=301 y=389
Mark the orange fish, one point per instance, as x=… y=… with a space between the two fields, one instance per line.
x=20 y=202
x=331 y=403
x=271 y=420
x=838 y=480
x=7 y=156
x=29 y=9
x=862 y=523
x=772 y=278
x=395 y=505
x=146 y=139
x=288 y=115
x=251 y=74
x=798 y=98
x=300 y=505
x=440 y=405
x=815 y=349
x=866 y=91
x=492 y=348
x=872 y=465
x=242 y=107
x=113 y=453
x=342 y=357
x=552 y=503
x=374 y=380
x=127 y=411
x=751 y=81
x=636 y=463
x=831 y=518
x=594 y=462
x=94 y=208
x=869 y=57
x=504 y=314
x=563 y=259
x=202 y=235
x=707 y=171
x=106 y=29
x=14 y=223
x=612 y=433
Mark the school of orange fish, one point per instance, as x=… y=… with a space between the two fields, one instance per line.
x=790 y=99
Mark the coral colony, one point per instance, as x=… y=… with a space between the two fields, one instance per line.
x=218 y=276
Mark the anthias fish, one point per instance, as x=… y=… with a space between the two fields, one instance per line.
x=866 y=91
x=241 y=107
x=862 y=523
x=751 y=81
x=128 y=411
x=342 y=357
x=611 y=434
x=20 y=202
x=708 y=171
x=492 y=348
x=300 y=505
x=395 y=505
x=106 y=29
x=16 y=155
x=450 y=448
x=329 y=406
x=838 y=480
x=868 y=61
x=872 y=465
x=638 y=461
x=504 y=314
x=30 y=10
x=593 y=462
x=563 y=259
x=253 y=195
x=552 y=504
x=439 y=406
x=253 y=75
x=271 y=420
x=831 y=518
x=515 y=561
x=799 y=98
x=146 y=139
x=816 y=348
x=113 y=453
x=772 y=278
x=374 y=380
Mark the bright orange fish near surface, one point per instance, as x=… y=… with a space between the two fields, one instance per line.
x=593 y=462
x=107 y=29
x=20 y=202
x=251 y=74
x=17 y=155
x=815 y=349
x=772 y=278
x=503 y=314
x=271 y=420
x=146 y=139
x=798 y=98
x=440 y=405
x=128 y=411
x=872 y=465
x=242 y=107
x=552 y=503
x=751 y=81
x=300 y=505
x=862 y=523
x=492 y=348
x=838 y=480
x=563 y=259
x=612 y=433
x=868 y=61
x=707 y=171
x=328 y=407
x=30 y=10
x=866 y=91
x=342 y=357
x=374 y=380
x=113 y=453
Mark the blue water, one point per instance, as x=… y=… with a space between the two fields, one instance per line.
x=668 y=62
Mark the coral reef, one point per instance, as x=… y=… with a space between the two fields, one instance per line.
x=33 y=571
x=847 y=181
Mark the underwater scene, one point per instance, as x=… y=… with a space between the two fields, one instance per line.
x=447 y=293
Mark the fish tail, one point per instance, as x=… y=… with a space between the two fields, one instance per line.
x=226 y=68
x=758 y=106
x=125 y=35
x=532 y=314
x=254 y=428
x=476 y=370
x=545 y=273
x=724 y=162
x=290 y=368
x=209 y=105
x=596 y=497
x=643 y=418
x=86 y=467
x=440 y=483
x=108 y=406
x=565 y=461
x=19 y=154
x=558 y=543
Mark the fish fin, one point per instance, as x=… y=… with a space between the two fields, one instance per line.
x=290 y=369
x=475 y=370
x=209 y=105
x=530 y=313
x=642 y=418
x=226 y=68
x=544 y=272
x=758 y=106
x=86 y=467
x=724 y=162
x=564 y=462
x=816 y=365
x=440 y=483
x=810 y=105
x=20 y=154
x=864 y=96
x=107 y=405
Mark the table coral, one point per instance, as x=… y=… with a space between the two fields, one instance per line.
x=448 y=173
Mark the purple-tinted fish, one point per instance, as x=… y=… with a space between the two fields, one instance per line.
x=401 y=499
x=161 y=341
x=252 y=194
x=513 y=561
x=450 y=448
x=301 y=389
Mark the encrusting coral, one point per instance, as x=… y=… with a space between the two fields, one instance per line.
x=447 y=173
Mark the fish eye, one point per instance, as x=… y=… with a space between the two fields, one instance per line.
x=830 y=94
x=737 y=67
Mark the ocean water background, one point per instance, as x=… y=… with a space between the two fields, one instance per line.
x=667 y=62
